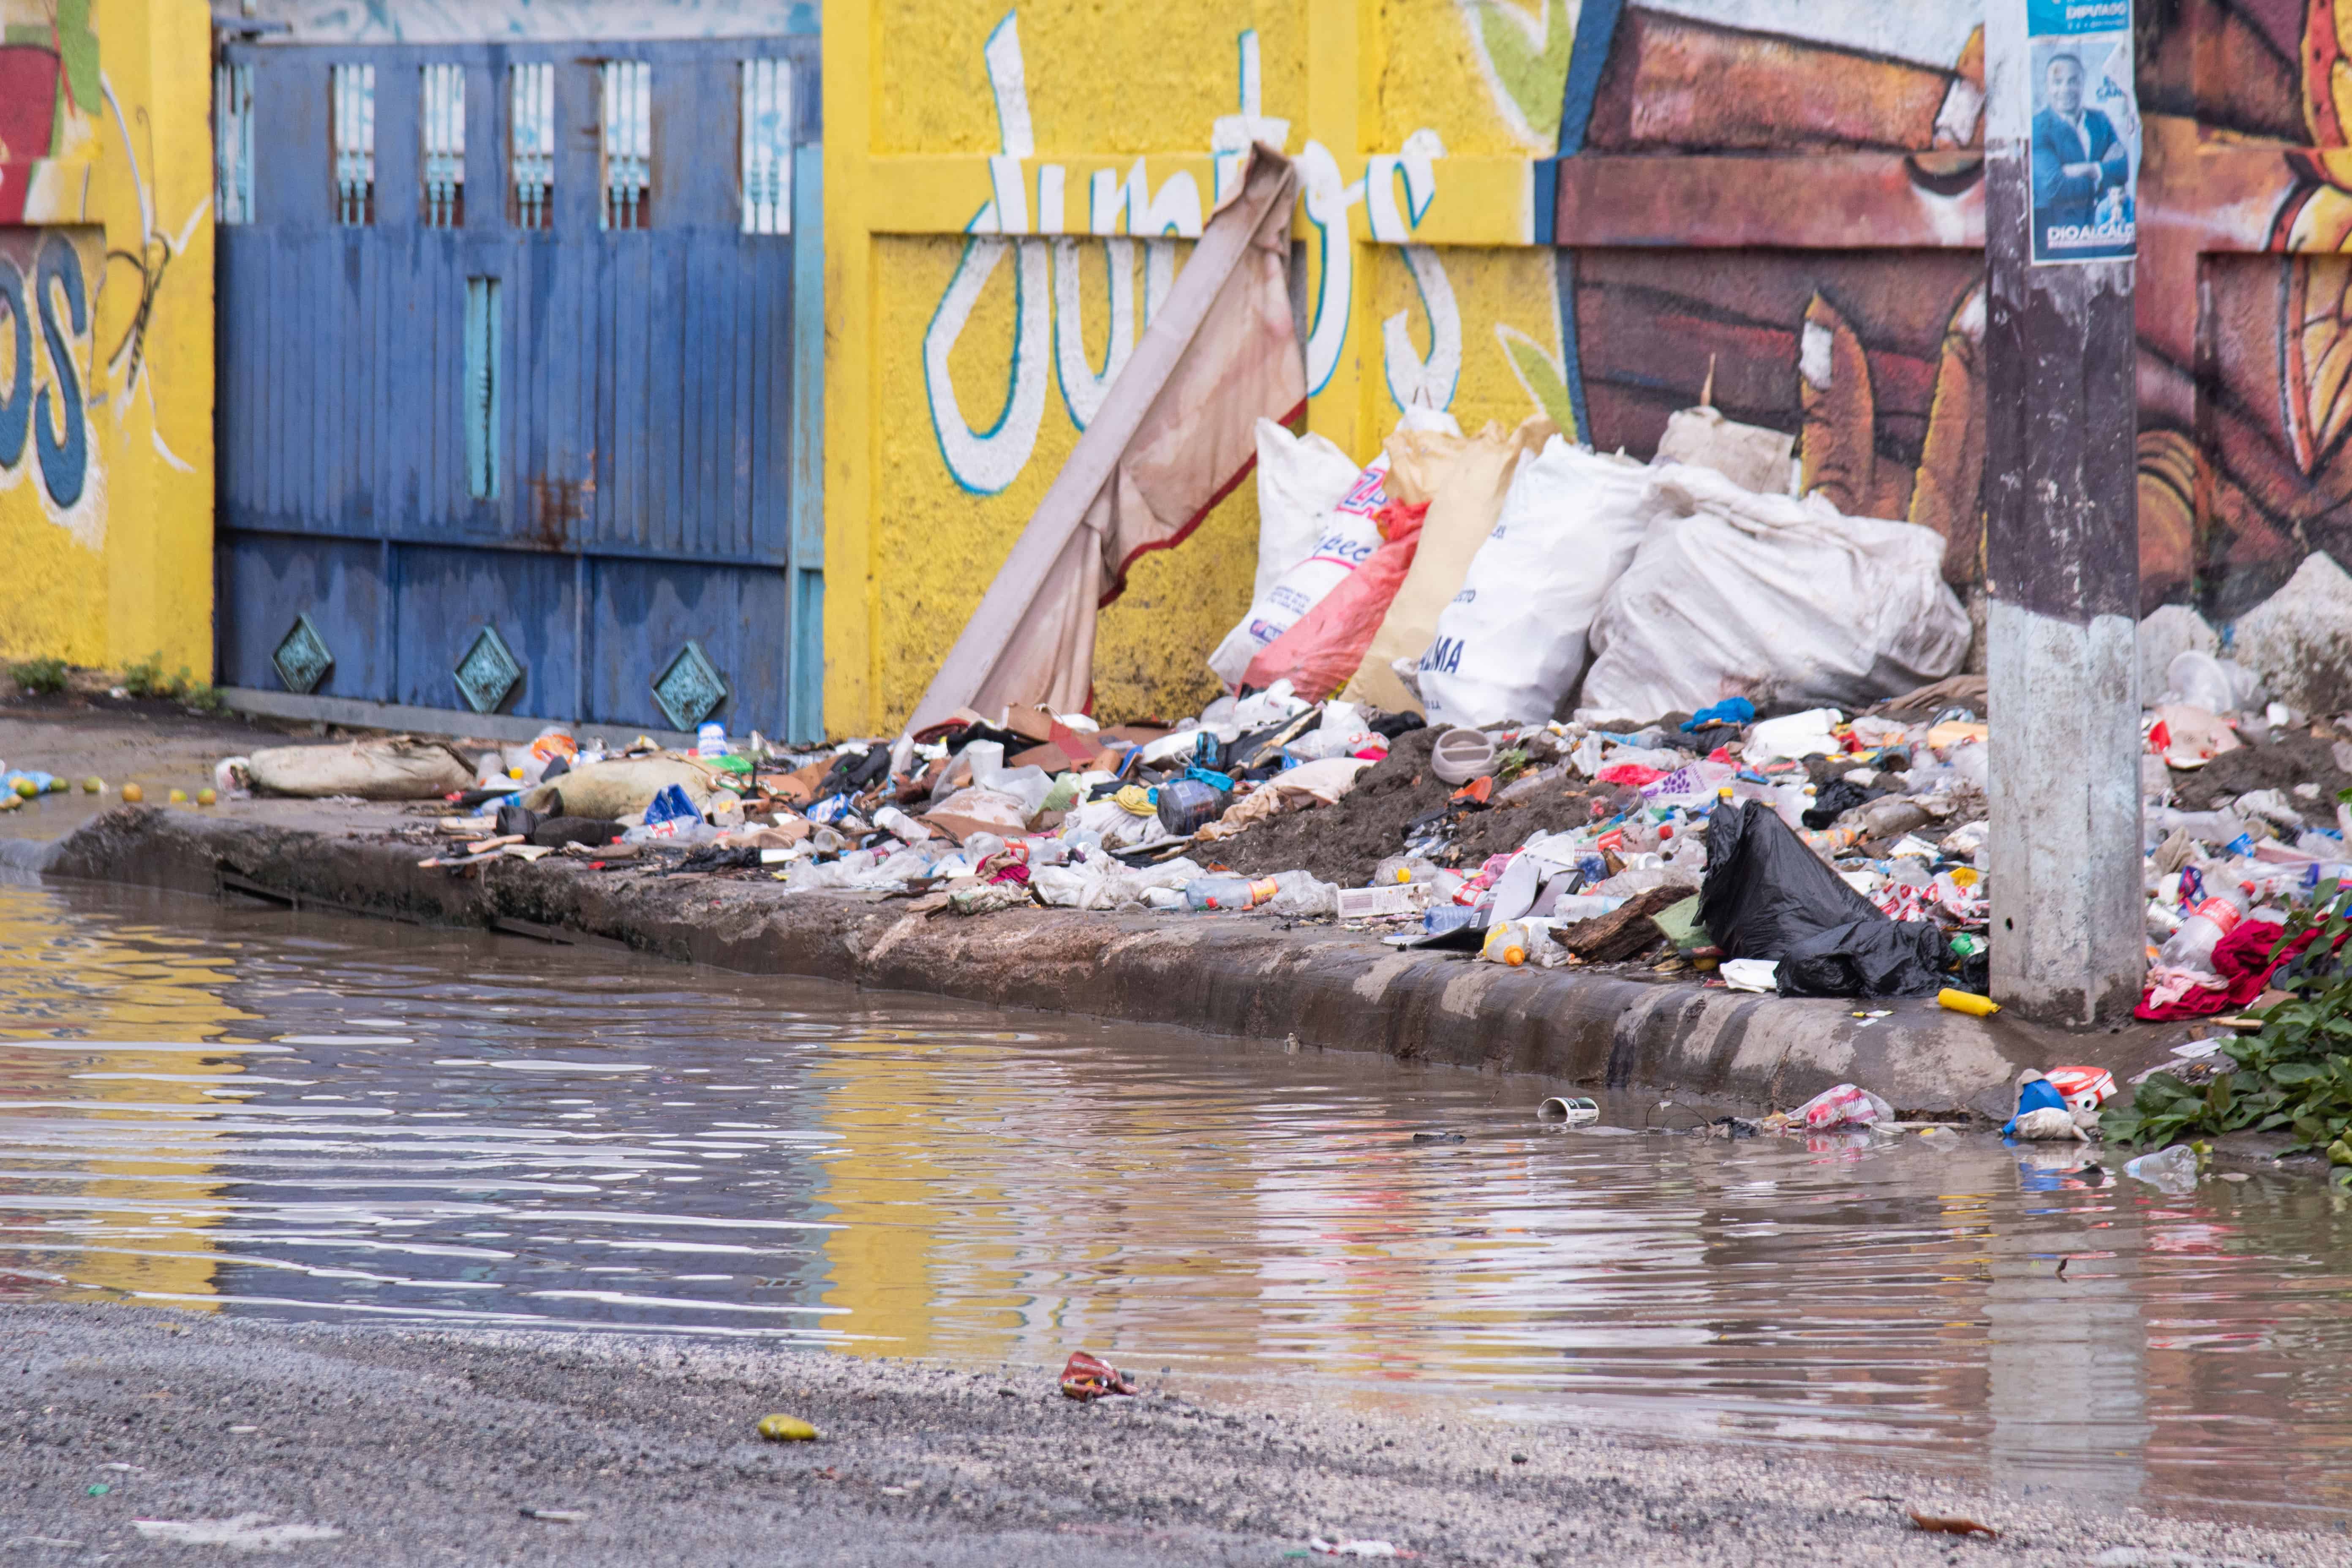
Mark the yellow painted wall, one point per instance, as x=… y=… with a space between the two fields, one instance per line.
x=927 y=488
x=111 y=562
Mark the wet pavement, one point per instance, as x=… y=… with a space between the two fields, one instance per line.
x=231 y=1106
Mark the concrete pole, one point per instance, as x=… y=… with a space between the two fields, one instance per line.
x=2062 y=546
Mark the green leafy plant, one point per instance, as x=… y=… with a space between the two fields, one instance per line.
x=39 y=677
x=2294 y=1075
x=146 y=679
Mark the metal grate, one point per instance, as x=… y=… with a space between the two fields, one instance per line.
x=488 y=672
x=531 y=144
x=691 y=689
x=767 y=136
x=302 y=657
x=628 y=141
x=351 y=116
x=443 y=125
x=485 y=389
x=233 y=144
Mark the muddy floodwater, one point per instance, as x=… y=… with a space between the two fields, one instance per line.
x=237 y=1108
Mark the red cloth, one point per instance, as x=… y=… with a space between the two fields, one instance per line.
x=1634 y=773
x=1323 y=647
x=2245 y=959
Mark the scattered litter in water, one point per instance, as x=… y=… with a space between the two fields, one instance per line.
x=1650 y=1282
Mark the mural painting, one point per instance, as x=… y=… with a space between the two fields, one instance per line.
x=105 y=331
x=1592 y=210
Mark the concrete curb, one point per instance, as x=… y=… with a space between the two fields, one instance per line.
x=1227 y=974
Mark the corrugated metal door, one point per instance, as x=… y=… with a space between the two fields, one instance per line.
x=512 y=415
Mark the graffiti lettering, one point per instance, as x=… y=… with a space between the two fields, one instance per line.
x=1048 y=327
x=1412 y=379
x=986 y=461
x=16 y=408
x=1084 y=387
x=65 y=459
x=46 y=321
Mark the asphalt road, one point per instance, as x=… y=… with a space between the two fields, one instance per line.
x=427 y=1449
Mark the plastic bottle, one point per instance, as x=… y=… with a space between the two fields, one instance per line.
x=1229 y=892
x=1583 y=906
x=2191 y=947
x=1517 y=941
x=2174 y=1170
x=1400 y=868
x=890 y=819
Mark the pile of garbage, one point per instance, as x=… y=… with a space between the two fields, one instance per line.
x=1505 y=694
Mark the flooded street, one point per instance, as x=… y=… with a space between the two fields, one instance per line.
x=237 y=1108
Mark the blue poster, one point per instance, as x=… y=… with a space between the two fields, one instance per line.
x=2085 y=157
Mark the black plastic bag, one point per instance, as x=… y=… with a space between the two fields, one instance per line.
x=854 y=772
x=1877 y=957
x=1767 y=896
x=1834 y=800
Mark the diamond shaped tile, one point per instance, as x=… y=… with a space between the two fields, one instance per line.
x=302 y=657
x=487 y=672
x=690 y=688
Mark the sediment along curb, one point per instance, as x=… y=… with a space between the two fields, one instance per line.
x=1231 y=974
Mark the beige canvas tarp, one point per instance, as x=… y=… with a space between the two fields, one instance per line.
x=1175 y=434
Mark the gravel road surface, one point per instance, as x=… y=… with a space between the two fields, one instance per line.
x=386 y=1446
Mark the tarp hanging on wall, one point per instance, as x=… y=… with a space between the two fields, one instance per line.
x=1174 y=435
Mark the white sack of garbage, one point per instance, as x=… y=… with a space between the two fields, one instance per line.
x=1789 y=602
x=1294 y=474
x=383 y=767
x=1512 y=642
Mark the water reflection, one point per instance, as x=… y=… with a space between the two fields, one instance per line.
x=302 y=1116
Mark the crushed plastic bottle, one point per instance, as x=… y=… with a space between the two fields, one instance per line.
x=2191 y=947
x=1229 y=892
x=1400 y=868
x=2172 y=1170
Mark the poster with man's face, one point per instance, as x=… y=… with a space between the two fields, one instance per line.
x=2085 y=157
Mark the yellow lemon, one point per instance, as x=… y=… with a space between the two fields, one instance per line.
x=133 y=793
x=206 y=797
x=93 y=785
x=786 y=1429
x=179 y=797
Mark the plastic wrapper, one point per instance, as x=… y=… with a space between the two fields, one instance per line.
x=1845 y=1106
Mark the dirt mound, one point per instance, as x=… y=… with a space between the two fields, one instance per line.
x=1342 y=843
x=2283 y=763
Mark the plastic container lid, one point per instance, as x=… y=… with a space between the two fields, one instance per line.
x=1461 y=755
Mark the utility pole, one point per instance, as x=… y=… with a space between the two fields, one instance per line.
x=2061 y=545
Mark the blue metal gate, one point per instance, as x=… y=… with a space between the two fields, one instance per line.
x=520 y=358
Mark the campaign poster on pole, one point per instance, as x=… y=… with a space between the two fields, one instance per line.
x=2085 y=130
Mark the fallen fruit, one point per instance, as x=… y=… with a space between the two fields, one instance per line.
x=93 y=785
x=786 y=1429
x=27 y=788
x=206 y=797
x=179 y=797
x=133 y=793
